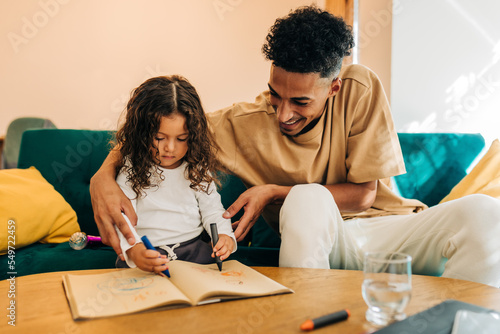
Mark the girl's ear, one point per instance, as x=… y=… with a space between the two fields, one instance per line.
x=335 y=87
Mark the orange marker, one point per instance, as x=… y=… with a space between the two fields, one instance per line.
x=328 y=319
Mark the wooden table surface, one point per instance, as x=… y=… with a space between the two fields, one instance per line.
x=41 y=305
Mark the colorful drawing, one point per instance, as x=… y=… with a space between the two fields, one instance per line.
x=233 y=277
x=126 y=285
x=203 y=270
x=141 y=296
x=232 y=273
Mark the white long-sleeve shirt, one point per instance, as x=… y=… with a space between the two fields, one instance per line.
x=173 y=212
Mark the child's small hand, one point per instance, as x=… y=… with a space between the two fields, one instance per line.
x=224 y=247
x=148 y=259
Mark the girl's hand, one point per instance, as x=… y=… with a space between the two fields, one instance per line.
x=224 y=247
x=148 y=259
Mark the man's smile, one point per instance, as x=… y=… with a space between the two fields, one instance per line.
x=291 y=124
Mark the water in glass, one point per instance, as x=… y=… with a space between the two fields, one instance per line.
x=386 y=287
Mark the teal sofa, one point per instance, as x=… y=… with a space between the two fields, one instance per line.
x=67 y=159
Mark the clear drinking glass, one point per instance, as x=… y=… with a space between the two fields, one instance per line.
x=386 y=286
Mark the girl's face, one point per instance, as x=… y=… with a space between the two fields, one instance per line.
x=171 y=141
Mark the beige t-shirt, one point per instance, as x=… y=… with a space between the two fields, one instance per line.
x=354 y=141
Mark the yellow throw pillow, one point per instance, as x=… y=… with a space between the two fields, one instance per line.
x=484 y=178
x=31 y=210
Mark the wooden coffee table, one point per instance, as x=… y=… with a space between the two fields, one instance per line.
x=41 y=305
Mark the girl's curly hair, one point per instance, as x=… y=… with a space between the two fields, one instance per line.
x=155 y=98
x=309 y=40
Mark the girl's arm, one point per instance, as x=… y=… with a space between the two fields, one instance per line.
x=211 y=211
x=124 y=245
x=138 y=255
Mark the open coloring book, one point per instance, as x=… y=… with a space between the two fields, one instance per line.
x=133 y=290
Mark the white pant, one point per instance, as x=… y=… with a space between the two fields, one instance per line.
x=465 y=231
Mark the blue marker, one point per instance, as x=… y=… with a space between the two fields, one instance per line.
x=148 y=245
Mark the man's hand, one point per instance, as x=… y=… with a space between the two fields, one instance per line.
x=253 y=201
x=224 y=247
x=148 y=259
x=108 y=203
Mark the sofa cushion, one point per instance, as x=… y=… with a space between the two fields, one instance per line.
x=31 y=210
x=68 y=159
x=484 y=178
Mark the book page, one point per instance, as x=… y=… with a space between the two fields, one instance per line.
x=119 y=292
x=201 y=282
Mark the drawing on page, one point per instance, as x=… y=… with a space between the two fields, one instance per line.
x=125 y=286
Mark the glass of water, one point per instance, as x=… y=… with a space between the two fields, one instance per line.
x=386 y=286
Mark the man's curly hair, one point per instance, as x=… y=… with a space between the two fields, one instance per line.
x=309 y=40
x=155 y=98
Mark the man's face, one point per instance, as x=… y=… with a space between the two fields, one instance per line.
x=299 y=98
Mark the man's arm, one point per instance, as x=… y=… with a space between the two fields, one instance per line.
x=108 y=203
x=349 y=197
x=354 y=197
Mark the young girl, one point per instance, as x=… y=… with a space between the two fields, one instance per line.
x=168 y=160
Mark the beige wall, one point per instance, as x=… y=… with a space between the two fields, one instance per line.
x=76 y=61
x=374 y=38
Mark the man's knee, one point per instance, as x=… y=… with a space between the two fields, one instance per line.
x=480 y=200
x=307 y=206
x=477 y=211
x=308 y=196
x=476 y=204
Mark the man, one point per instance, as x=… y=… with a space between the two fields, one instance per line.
x=316 y=152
